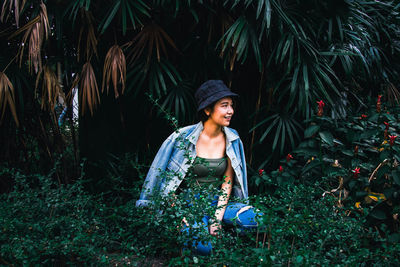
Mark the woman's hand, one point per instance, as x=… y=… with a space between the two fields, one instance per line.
x=184 y=225
x=215 y=228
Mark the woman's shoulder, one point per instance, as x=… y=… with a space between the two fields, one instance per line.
x=231 y=133
x=183 y=132
x=188 y=128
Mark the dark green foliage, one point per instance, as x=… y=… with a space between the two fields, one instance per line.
x=355 y=160
x=43 y=223
x=279 y=56
x=335 y=203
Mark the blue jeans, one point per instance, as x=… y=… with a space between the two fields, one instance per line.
x=241 y=215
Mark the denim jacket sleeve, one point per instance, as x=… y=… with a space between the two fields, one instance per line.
x=243 y=159
x=153 y=178
x=236 y=150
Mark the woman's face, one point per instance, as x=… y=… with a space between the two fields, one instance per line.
x=222 y=112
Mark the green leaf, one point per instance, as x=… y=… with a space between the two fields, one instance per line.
x=396 y=177
x=378 y=214
x=347 y=152
x=396 y=148
x=374 y=118
x=305 y=78
x=355 y=162
x=367 y=134
x=381 y=172
x=326 y=137
x=394 y=238
x=385 y=154
x=194 y=14
x=299 y=259
x=277 y=135
x=361 y=194
x=110 y=16
x=269 y=128
x=313 y=164
x=307 y=152
x=311 y=130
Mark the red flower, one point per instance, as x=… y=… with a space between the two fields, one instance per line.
x=385 y=134
x=387 y=125
x=392 y=138
x=378 y=103
x=280 y=169
x=289 y=157
x=363 y=116
x=260 y=171
x=356 y=172
x=321 y=106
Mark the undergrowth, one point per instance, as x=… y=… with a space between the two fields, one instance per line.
x=44 y=223
x=333 y=201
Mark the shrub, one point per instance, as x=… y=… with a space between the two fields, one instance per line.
x=43 y=222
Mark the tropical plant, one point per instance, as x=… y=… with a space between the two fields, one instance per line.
x=281 y=56
x=355 y=160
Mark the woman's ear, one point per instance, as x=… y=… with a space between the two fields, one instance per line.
x=207 y=111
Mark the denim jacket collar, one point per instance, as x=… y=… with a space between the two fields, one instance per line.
x=194 y=135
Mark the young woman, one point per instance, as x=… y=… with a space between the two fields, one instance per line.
x=212 y=153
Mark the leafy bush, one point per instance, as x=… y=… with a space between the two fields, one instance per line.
x=333 y=201
x=44 y=223
x=355 y=160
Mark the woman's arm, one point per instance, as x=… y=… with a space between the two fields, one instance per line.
x=223 y=199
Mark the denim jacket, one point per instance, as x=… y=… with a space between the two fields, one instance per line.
x=175 y=156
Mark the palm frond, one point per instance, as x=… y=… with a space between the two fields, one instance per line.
x=180 y=101
x=115 y=69
x=89 y=96
x=240 y=37
x=87 y=30
x=51 y=88
x=392 y=94
x=127 y=8
x=75 y=6
x=17 y=9
x=151 y=37
x=7 y=97
x=159 y=76
x=278 y=128
x=35 y=32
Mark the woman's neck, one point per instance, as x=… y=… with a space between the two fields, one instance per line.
x=211 y=129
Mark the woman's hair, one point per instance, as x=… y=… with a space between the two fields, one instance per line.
x=202 y=115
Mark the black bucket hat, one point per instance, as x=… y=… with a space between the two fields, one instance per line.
x=210 y=92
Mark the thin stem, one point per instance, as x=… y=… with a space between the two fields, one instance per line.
x=291 y=251
x=9 y=63
x=255 y=116
x=257 y=238
x=265 y=235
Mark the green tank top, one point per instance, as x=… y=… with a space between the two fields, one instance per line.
x=207 y=172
